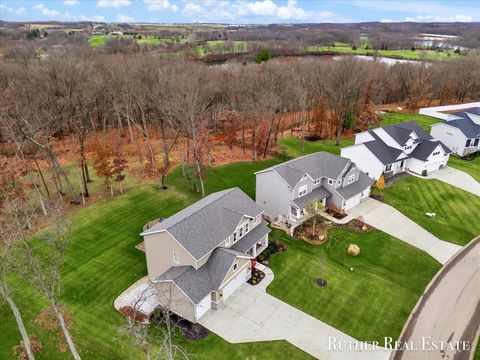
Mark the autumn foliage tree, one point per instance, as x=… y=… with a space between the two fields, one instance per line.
x=103 y=165
x=119 y=165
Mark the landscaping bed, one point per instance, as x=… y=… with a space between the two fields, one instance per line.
x=189 y=330
x=273 y=248
x=315 y=235
x=257 y=277
x=335 y=213
x=358 y=225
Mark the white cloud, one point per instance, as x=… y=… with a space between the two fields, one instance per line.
x=20 y=11
x=435 y=18
x=98 y=18
x=113 y=3
x=270 y=9
x=192 y=9
x=70 y=2
x=153 y=5
x=386 y=20
x=124 y=18
x=42 y=9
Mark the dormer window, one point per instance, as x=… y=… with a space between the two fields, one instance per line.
x=317 y=181
x=246 y=228
x=351 y=178
x=235 y=237
x=330 y=182
x=240 y=233
x=176 y=257
x=302 y=190
x=339 y=181
x=235 y=267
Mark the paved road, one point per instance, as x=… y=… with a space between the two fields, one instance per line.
x=386 y=218
x=457 y=178
x=449 y=310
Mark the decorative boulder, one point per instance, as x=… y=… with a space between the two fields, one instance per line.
x=353 y=250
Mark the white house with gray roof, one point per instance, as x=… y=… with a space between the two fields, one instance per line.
x=198 y=257
x=394 y=149
x=461 y=129
x=294 y=190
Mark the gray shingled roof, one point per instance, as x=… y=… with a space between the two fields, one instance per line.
x=465 y=124
x=399 y=134
x=317 y=194
x=317 y=165
x=424 y=150
x=413 y=126
x=386 y=154
x=204 y=225
x=254 y=236
x=197 y=284
x=355 y=188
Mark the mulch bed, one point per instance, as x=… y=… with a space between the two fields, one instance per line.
x=357 y=225
x=337 y=215
x=257 y=277
x=307 y=233
x=189 y=330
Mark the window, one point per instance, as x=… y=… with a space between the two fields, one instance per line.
x=240 y=233
x=388 y=167
x=339 y=182
x=476 y=142
x=351 y=178
x=235 y=236
x=468 y=143
x=302 y=190
x=176 y=257
x=235 y=266
x=316 y=182
x=330 y=182
x=227 y=242
x=246 y=228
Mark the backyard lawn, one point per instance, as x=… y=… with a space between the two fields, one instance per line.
x=456 y=217
x=423 y=121
x=291 y=147
x=369 y=302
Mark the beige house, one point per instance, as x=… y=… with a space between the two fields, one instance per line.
x=198 y=257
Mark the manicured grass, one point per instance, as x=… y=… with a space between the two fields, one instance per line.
x=369 y=302
x=456 y=217
x=101 y=40
x=292 y=147
x=218 y=47
x=100 y=263
x=425 y=122
x=471 y=167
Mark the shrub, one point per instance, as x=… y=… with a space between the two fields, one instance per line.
x=353 y=250
x=130 y=312
x=263 y=55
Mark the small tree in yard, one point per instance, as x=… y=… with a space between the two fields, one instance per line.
x=103 y=166
x=119 y=165
x=380 y=184
x=263 y=55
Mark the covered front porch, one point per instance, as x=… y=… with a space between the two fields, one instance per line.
x=304 y=207
x=394 y=168
x=258 y=247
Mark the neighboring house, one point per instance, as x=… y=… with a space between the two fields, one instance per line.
x=198 y=257
x=461 y=129
x=393 y=149
x=294 y=190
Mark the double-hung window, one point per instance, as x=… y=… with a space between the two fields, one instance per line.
x=316 y=182
x=240 y=233
x=235 y=237
x=302 y=190
x=388 y=167
x=246 y=228
x=330 y=182
x=351 y=178
x=176 y=257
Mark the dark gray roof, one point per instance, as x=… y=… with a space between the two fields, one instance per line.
x=355 y=188
x=203 y=226
x=316 y=194
x=423 y=150
x=413 y=126
x=317 y=165
x=465 y=124
x=197 y=284
x=386 y=154
x=399 y=134
x=254 y=236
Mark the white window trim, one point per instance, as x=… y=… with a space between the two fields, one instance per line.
x=302 y=190
x=176 y=257
x=316 y=182
x=351 y=178
x=330 y=181
x=235 y=237
x=388 y=167
x=235 y=266
x=247 y=228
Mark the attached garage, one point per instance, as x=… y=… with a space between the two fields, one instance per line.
x=203 y=306
x=235 y=283
x=353 y=201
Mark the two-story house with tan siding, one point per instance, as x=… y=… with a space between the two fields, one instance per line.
x=295 y=190
x=198 y=257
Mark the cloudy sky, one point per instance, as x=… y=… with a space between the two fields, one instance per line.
x=240 y=11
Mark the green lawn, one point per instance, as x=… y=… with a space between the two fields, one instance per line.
x=370 y=302
x=292 y=147
x=423 y=121
x=101 y=262
x=218 y=47
x=471 y=167
x=101 y=40
x=456 y=220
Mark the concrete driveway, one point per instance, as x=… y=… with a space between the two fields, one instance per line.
x=456 y=178
x=253 y=315
x=448 y=311
x=388 y=219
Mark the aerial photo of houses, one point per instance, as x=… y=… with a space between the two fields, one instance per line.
x=239 y=179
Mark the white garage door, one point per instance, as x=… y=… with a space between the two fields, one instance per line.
x=433 y=166
x=203 y=306
x=355 y=200
x=233 y=285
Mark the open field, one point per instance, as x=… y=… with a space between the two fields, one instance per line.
x=456 y=220
x=219 y=47
x=101 y=40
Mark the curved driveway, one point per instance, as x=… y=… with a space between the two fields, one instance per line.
x=449 y=310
